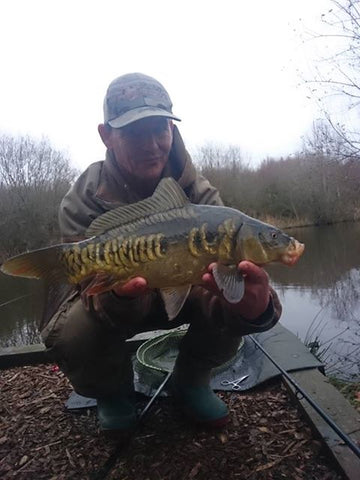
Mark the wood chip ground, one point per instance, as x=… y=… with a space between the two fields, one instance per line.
x=40 y=439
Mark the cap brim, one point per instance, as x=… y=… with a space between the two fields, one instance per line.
x=138 y=113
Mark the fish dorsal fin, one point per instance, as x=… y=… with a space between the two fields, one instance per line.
x=167 y=196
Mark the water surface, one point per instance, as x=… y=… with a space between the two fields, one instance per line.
x=320 y=297
x=321 y=294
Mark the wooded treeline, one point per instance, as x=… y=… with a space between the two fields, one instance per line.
x=315 y=186
x=309 y=188
x=33 y=179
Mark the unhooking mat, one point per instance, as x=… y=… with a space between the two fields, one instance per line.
x=156 y=357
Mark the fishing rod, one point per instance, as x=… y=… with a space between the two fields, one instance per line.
x=315 y=406
x=124 y=443
x=15 y=299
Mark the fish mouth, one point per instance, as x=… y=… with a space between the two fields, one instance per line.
x=293 y=253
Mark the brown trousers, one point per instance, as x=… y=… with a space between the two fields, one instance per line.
x=94 y=358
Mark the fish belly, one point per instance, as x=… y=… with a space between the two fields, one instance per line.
x=176 y=268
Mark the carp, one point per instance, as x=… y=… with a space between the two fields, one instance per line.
x=168 y=241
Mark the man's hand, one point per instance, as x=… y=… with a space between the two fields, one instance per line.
x=133 y=288
x=257 y=292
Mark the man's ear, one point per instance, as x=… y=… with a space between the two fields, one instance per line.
x=105 y=133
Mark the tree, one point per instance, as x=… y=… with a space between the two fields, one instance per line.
x=333 y=184
x=336 y=82
x=224 y=167
x=33 y=179
x=323 y=140
x=314 y=186
x=27 y=162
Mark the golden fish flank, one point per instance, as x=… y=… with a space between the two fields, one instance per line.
x=202 y=240
x=168 y=241
x=122 y=255
x=118 y=256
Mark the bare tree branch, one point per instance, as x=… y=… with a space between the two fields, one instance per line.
x=33 y=179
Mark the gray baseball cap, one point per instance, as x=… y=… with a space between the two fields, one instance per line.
x=134 y=96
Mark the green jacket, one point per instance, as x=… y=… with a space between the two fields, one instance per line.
x=101 y=188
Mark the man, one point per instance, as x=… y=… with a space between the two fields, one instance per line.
x=87 y=335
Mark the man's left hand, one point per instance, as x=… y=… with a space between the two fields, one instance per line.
x=256 y=294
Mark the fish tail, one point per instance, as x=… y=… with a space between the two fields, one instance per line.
x=40 y=264
x=45 y=264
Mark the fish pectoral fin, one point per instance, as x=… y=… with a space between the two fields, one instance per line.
x=174 y=299
x=230 y=281
x=102 y=282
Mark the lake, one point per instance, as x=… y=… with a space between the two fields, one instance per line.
x=320 y=297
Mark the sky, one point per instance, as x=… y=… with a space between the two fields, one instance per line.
x=231 y=69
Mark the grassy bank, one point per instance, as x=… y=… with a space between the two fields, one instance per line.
x=350 y=390
x=284 y=222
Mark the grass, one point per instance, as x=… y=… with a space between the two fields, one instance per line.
x=286 y=222
x=348 y=386
x=350 y=390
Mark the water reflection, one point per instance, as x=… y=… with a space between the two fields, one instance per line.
x=330 y=252
x=320 y=296
x=20 y=310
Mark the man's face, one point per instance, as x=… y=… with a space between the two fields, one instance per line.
x=142 y=148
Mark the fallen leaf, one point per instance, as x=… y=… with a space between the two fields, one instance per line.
x=264 y=429
x=195 y=470
x=222 y=437
x=265 y=467
x=23 y=460
x=45 y=410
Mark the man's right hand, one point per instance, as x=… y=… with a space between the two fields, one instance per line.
x=133 y=288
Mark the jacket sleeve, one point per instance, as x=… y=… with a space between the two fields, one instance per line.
x=218 y=312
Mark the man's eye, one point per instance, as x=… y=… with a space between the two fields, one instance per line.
x=129 y=130
x=160 y=126
x=160 y=130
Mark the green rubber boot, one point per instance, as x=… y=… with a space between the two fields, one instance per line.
x=194 y=396
x=116 y=413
